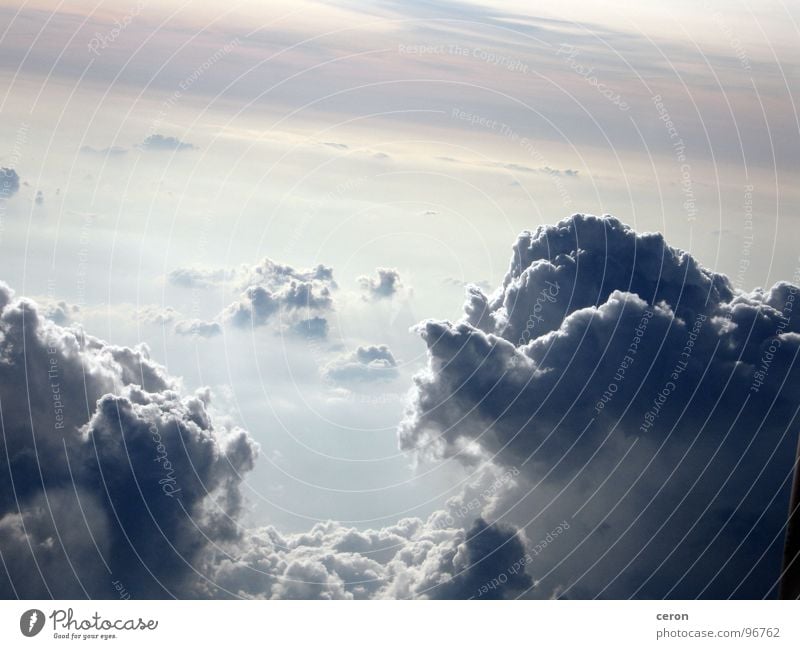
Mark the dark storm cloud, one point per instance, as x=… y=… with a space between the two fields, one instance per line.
x=9 y=183
x=158 y=142
x=605 y=346
x=385 y=284
x=108 y=471
x=370 y=363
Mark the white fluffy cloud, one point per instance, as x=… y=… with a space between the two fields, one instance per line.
x=385 y=284
x=196 y=327
x=366 y=363
x=294 y=300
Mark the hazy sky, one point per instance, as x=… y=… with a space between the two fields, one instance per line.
x=165 y=149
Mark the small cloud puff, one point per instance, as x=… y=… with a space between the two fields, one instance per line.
x=371 y=363
x=158 y=142
x=385 y=284
x=9 y=183
x=195 y=327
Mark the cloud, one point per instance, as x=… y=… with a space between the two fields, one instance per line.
x=385 y=284
x=270 y=292
x=156 y=315
x=513 y=166
x=106 y=151
x=315 y=328
x=258 y=305
x=158 y=142
x=482 y=284
x=296 y=296
x=108 y=470
x=267 y=274
x=199 y=277
x=409 y=560
x=274 y=275
x=371 y=363
x=633 y=390
x=60 y=312
x=195 y=327
x=110 y=474
x=9 y=183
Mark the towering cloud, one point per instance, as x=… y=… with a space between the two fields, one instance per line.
x=635 y=391
x=107 y=471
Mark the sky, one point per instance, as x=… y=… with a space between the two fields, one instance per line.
x=328 y=250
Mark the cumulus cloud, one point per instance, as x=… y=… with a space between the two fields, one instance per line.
x=273 y=275
x=108 y=471
x=61 y=312
x=9 y=183
x=315 y=328
x=196 y=327
x=639 y=396
x=156 y=315
x=385 y=284
x=270 y=293
x=296 y=296
x=158 y=142
x=258 y=305
x=412 y=559
x=369 y=363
